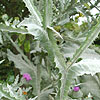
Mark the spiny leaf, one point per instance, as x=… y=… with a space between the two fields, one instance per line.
x=87 y=66
x=60 y=62
x=5 y=94
x=23 y=67
x=3 y=27
x=2 y=61
x=62 y=3
x=93 y=33
x=55 y=32
x=70 y=47
x=1 y=40
x=47 y=18
x=35 y=13
x=39 y=33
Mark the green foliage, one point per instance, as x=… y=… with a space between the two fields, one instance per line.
x=11 y=92
x=27 y=46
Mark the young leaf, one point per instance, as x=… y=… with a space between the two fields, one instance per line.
x=5 y=94
x=27 y=46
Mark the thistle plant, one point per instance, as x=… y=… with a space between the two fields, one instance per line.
x=50 y=35
x=27 y=76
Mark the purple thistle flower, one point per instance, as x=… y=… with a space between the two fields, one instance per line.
x=27 y=76
x=76 y=88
